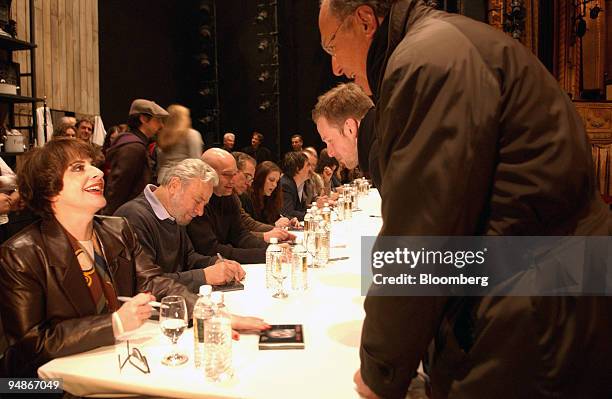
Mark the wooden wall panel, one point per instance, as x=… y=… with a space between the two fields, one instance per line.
x=67 y=70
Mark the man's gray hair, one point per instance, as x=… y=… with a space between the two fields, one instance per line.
x=343 y=8
x=188 y=169
x=229 y=134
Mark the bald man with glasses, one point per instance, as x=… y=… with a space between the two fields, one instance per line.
x=220 y=229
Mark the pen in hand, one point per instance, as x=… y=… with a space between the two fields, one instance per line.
x=222 y=259
x=155 y=304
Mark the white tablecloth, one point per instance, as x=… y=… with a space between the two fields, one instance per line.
x=331 y=312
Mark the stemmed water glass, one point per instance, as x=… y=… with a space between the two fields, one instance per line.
x=173 y=321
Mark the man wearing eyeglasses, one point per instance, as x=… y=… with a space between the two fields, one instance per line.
x=242 y=182
x=220 y=229
x=476 y=138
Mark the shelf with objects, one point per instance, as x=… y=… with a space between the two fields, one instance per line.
x=11 y=80
x=13 y=137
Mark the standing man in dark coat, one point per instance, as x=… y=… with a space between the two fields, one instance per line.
x=476 y=138
x=257 y=150
x=130 y=164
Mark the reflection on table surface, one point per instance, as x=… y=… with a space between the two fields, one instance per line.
x=331 y=311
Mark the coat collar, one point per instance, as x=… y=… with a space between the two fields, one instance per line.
x=64 y=263
x=403 y=15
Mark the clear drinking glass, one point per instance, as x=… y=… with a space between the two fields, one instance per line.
x=173 y=321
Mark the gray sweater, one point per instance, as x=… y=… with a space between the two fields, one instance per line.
x=166 y=243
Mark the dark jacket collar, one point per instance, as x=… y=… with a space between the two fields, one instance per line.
x=403 y=14
x=61 y=258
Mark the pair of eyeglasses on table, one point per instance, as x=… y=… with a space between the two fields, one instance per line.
x=135 y=358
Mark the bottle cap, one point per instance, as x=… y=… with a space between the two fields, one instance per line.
x=273 y=240
x=217 y=297
x=205 y=289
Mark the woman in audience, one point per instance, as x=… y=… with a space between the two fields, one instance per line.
x=263 y=201
x=61 y=276
x=177 y=140
x=64 y=130
x=326 y=167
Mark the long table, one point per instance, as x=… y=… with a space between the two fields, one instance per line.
x=331 y=311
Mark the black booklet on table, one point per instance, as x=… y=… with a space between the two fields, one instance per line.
x=233 y=286
x=282 y=336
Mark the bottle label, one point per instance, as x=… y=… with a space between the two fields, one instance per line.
x=198 y=329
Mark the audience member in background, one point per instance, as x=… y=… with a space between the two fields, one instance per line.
x=84 y=129
x=129 y=160
x=257 y=150
x=243 y=181
x=159 y=216
x=313 y=151
x=64 y=130
x=229 y=139
x=111 y=136
x=326 y=167
x=67 y=120
x=297 y=142
x=313 y=187
x=9 y=197
x=177 y=140
x=296 y=170
x=60 y=277
x=220 y=229
x=339 y=114
x=263 y=201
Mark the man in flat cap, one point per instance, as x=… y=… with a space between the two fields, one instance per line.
x=130 y=164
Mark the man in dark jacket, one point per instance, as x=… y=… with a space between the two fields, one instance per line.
x=220 y=229
x=128 y=158
x=257 y=150
x=476 y=138
x=296 y=170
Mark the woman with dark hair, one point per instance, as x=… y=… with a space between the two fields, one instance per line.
x=61 y=276
x=64 y=130
x=326 y=167
x=296 y=170
x=264 y=200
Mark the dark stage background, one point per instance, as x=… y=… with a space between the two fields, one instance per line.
x=148 y=49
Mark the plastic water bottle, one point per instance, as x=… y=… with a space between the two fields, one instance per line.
x=218 y=342
x=314 y=209
x=326 y=213
x=299 y=267
x=274 y=255
x=340 y=207
x=202 y=311
x=322 y=244
x=307 y=225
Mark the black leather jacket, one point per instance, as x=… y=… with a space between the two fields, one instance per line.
x=46 y=308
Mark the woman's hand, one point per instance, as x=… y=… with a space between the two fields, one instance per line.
x=134 y=312
x=246 y=324
x=327 y=174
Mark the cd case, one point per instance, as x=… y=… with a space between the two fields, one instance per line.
x=282 y=336
x=233 y=286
